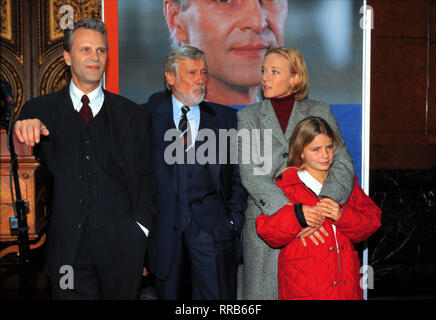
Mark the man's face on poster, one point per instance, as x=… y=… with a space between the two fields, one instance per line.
x=234 y=34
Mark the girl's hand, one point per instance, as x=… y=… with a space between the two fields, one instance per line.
x=312 y=234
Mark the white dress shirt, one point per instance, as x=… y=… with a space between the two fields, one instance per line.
x=96 y=98
x=193 y=116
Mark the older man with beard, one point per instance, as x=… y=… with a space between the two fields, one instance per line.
x=196 y=248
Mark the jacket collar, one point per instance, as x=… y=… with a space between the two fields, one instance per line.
x=288 y=177
x=270 y=121
x=118 y=120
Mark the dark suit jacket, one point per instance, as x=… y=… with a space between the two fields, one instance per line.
x=225 y=177
x=127 y=130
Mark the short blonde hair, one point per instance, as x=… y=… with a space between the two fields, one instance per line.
x=298 y=66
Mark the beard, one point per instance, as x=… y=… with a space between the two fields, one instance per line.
x=194 y=98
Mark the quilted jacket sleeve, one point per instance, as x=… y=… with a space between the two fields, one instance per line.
x=280 y=228
x=360 y=216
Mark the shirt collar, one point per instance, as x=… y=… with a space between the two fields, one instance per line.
x=310 y=181
x=96 y=98
x=177 y=107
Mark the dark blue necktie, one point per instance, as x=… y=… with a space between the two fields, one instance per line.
x=185 y=128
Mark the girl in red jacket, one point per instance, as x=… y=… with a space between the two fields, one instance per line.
x=313 y=270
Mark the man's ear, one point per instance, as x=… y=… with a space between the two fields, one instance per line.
x=171 y=78
x=67 y=58
x=173 y=16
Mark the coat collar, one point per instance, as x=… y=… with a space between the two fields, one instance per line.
x=209 y=120
x=64 y=113
x=118 y=120
x=270 y=121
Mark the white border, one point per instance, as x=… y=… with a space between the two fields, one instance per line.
x=366 y=94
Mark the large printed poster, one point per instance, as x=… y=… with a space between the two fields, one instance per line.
x=235 y=34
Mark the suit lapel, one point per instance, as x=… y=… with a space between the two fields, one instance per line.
x=118 y=121
x=163 y=122
x=208 y=120
x=270 y=121
x=297 y=115
x=65 y=115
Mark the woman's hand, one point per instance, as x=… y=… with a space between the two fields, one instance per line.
x=330 y=208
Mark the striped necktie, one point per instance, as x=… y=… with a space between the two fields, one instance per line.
x=185 y=128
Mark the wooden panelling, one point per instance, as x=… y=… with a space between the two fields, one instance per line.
x=403 y=82
x=399 y=138
x=432 y=95
x=12 y=48
x=400 y=18
x=51 y=72
x=400 y=157
x=432 y=81
x=433 y=22
x=398 y=85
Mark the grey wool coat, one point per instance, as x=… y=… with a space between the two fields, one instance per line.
x=257 y=277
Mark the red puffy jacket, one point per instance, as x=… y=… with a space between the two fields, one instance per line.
x=326 y=271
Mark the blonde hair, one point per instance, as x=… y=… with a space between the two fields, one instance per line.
x=298 y=66
x=304 y=133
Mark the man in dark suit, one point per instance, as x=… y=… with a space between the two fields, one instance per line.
x=196 y=248
x=96 y=145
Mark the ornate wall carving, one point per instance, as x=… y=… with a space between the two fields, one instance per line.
x=12 y=28
x=56 y=76
x=53 y=72
x=51 y=32
x=11 y=47
x=13 y=74
x=31 y=44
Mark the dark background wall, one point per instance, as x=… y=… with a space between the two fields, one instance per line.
x=403 y=84
x=403 y=147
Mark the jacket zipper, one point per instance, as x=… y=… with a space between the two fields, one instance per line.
x=337 y=247
x=334 y=230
